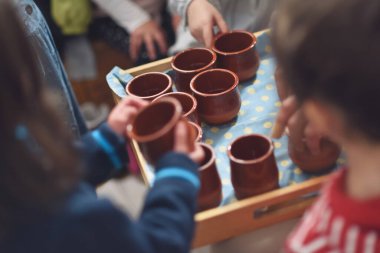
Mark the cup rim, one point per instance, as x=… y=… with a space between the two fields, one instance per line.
x=172 y=122
x=252 y=161
x=213 y=60
x=193 y=108
x=170 y=84
x=212 y=159
x=200 y=131
x=253 y=44
x=236 y=83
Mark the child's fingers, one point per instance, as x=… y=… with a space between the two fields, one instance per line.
x=181 y=143
x=135 y=102
x=296 y=125
x=197 y=155
x=219 y=20
x=313 y=140
x=288 y=108
x=208 y=35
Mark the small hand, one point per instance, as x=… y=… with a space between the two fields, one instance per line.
x=149 y=34
x=302 y=133
x=123 y=113
x=183 y=145
x=202 y=17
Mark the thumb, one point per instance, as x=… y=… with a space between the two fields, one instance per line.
x=181 y=143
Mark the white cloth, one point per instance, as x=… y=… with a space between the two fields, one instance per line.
x=249 y=15
x=130 y=14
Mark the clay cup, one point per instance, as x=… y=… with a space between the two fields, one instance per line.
x=236 y=51
x=188 y=102
x=149 y=86
x=253 y=165
x=189 y=63
x=210 y=194
x=218 y=96
x=154 y=127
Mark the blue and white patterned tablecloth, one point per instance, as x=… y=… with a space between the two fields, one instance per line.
x=260 y=104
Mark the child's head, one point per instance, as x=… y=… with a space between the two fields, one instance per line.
x=330 y=54
x=38 y=164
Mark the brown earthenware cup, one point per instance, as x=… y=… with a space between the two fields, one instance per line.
x=236 y=51
x=149 y=86
x=197 y=132
x=154 y=128
x=311 y=163
x=301 y=156
x=253 y=165
x=210 y=193
x=188 y=102
x=217 y=93
x=189 y=63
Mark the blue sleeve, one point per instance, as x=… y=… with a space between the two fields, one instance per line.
x=166 y=223
x=104 y=153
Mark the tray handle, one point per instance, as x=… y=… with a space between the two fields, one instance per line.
x=255 y=212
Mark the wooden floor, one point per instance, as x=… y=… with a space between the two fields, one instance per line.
x=97 y=90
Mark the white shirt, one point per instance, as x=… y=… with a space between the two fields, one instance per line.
x=130 y=14
x=249 y=15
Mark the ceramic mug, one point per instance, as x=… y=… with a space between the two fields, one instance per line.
x=312 y=163
x=236 y=51
x=188 y=102
x=218 y=96
x=154 y=128
x=189 y=63
x=149 y=86
x=299 y=153
x=253 y=165
x=210 y=193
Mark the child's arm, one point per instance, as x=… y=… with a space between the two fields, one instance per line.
x=201 y=16
x=104 y=149
x=166 y=223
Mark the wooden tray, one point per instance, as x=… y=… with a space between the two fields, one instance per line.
x=246 y=215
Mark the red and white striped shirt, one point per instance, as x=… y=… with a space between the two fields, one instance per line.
x=337 y=223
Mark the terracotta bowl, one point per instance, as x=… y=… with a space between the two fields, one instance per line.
x=149 y=86
x=189 y=63
x=197 y=132
x=218 y=96
x=153 y=128
x=311 y=163
x=210 y=194
x=253 y=165
x=236 y=51
x=188 y=102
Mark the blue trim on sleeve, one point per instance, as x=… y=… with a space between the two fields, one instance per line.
x=177 y=172
x=107 y=148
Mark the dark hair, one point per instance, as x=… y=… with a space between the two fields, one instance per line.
x=38 y=163
x=330 y=50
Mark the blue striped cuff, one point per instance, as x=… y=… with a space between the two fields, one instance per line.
x=107 y=148
x=177 y=172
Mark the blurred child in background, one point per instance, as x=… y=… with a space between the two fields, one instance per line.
x=329 y=53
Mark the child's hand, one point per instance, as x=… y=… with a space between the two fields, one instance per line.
x=202 y=17
x=302 y=133
x=148 y=34
x=123 y=113
x=182 y=144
